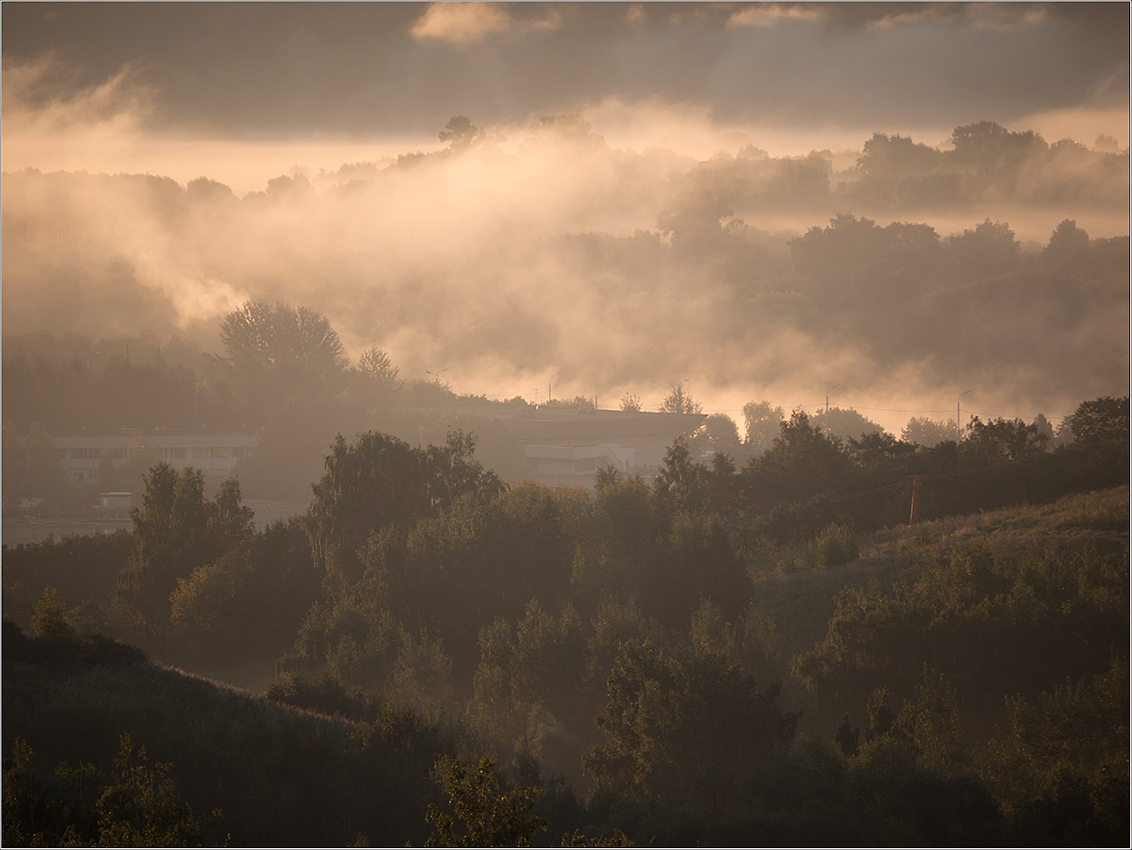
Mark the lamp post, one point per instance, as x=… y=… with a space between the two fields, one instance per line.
x=958 y=426
x=827 y=392
x=549 y=397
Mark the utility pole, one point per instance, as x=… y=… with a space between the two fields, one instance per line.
x=915 y=482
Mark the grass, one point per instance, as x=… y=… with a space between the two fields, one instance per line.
x=801 y=601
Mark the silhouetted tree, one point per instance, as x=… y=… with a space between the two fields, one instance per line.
x=276 y=354
x=1067 y=247
x=928 y=432
x=461 y=134
x=1100 y=421
x=763 y=424
x=678 y=401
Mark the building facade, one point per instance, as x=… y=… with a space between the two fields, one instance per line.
x=564 y=447
x=82 y=454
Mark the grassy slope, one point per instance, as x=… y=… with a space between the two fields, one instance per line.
x=281 y=777
x=801 y=602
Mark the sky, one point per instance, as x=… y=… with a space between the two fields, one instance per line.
x=448 y=266
x=244 y=90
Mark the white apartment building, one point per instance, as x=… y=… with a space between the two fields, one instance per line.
x=213 y=452
x=566 y=447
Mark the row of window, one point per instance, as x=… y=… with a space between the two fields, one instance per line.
x=167 y=454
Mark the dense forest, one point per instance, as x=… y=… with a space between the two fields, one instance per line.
x=755 y=654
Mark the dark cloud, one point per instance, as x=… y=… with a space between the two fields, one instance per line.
x=362 y=68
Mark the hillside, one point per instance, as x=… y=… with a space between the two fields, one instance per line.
x=801 y=601
x=996 y=638
x=280 y=776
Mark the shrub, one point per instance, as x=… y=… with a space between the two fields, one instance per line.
x=835 y=544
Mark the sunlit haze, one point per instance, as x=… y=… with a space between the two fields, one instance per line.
x=461 y=257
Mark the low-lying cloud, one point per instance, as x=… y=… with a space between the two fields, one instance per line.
x=624 y=226
x=621 y=271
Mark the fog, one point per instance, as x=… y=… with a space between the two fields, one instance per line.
x=613 y=241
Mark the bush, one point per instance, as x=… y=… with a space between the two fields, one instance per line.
x=835 y=544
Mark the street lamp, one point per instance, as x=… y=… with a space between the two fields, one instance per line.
x=958 y=426
x=827 y=392
x=549 y=397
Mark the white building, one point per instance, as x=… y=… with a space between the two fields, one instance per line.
x=213 y=452
x=567 y=447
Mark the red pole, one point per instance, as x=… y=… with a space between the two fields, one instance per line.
x=916 y=481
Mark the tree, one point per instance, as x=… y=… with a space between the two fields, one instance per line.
x=802 y=463
x=988 y=251
x=1044 y=426
x=176 y=531
x=1002 y=440
x=276 y=354
x=52 y=617
x=678 y=483
x=928 y=432
x=377 y=481
x=261 y=335
x=170 y=541
x=381 y=481
x=830 y=255
x=461 y=134
x=763 y=424
x=718 y=434
x=844 y=423
x=142 y=809
x=606 y=476
x=1067 y=247
x=696 y=225
x=894 y=157
x=1102 y=421
x=570 y=130
x=988 y=150
x=631 y=403
x=684 y=725
x=678 y=401
x=378 y=370
x=490 y=817
x=137 y=806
